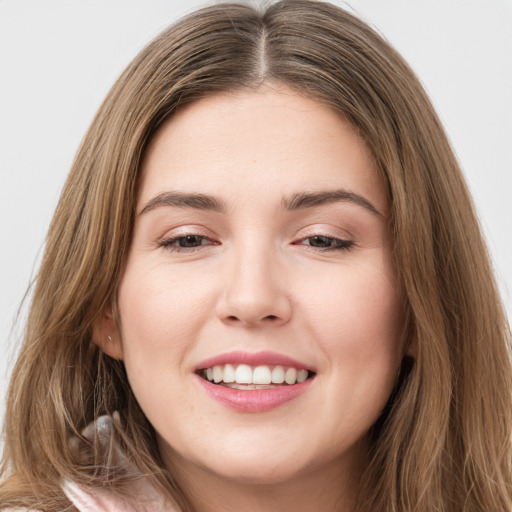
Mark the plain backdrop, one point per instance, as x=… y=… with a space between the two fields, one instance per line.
x=58 y=59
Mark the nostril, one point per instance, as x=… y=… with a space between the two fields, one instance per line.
x=268 y=318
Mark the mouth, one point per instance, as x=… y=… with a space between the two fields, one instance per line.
x=254 y=382
x=247 y=377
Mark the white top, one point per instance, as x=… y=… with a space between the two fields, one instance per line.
x=146 y=495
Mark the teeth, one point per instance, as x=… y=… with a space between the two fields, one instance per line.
x=218 y=374
x=302 y=375
x=278 y=375
x=229 y=373
x=243 y=374
x=290 y=377
x=258 y=376
x=261 y=375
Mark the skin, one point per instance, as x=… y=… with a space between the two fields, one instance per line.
x=256 y=280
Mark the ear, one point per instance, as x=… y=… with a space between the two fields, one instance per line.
x=106 y=334
x=408 y=336
x=411 y=349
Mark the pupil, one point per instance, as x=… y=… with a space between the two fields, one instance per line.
x=190 y=241
x=320 y=241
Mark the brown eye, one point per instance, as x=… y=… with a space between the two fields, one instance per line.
x=186 y=242
x=322 y=242
x=327 y=243
x=190 y=241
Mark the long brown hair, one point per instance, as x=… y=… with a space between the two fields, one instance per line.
x=445 y=442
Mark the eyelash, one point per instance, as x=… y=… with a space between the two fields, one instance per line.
x=338 y=244
x=169 y=244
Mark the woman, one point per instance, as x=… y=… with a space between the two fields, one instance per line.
x=264 y=287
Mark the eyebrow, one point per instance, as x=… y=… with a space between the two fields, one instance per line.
x=185 y=200
x=311 y=199
x=296 y=201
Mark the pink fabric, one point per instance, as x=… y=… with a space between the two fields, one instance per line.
x=101 y=500
x=147 y=497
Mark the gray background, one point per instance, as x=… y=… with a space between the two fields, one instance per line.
x=58 y=58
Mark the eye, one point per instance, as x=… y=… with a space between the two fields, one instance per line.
x=186 y=242
x=326 y=243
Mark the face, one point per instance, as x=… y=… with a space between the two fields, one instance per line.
x=259 y=314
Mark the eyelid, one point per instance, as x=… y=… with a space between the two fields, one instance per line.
x=340 y=244
x=324 y=230
x=174 y=234
x=185 y=230
x=168 y=244
x=343 y=242
x=166 y=241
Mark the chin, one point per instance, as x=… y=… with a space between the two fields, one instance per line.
x=256 y=471
x=262 y=465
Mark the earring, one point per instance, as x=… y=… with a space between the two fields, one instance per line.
x=109 y=338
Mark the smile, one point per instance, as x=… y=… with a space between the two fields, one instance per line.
x=254 y=382
x=244 y=376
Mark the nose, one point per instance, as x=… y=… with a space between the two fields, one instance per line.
x=254 y=291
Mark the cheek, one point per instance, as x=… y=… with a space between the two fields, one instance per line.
x=156 y=332
x=160 y=315
x=160 y=303
x=359 y=322
x=357 y=308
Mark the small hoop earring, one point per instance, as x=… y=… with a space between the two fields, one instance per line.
x=109 y=338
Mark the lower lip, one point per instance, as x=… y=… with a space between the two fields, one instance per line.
x=254 y=400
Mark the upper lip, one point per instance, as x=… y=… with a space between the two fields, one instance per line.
x=253 y=359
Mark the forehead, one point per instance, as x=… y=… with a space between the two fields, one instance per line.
x=259 y=143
